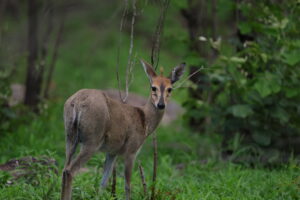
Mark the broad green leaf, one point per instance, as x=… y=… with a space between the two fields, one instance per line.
x=263 y=88
x=291 y=58
x=241 y=110
x=281 y=114
x=262 y=138
x=268 y=84
x=291 y=92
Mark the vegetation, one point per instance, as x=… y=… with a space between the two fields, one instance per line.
x=241 y=109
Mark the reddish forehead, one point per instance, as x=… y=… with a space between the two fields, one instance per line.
x=160 y=80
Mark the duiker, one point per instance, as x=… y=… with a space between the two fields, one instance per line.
x=100 y=123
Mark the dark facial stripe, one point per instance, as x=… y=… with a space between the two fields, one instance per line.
x=162 y=90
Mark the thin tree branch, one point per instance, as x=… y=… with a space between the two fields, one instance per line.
x=45 y=42
x=154 y=167
x=55 y=54
x=156 y=37
x=187 y=78
x=130 y=62
x=114 y=182
x=143 y=178
x=119 y=47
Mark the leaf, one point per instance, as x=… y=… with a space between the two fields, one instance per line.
x=268 y=84
x=244 y=27
x=241 y=110
x=261 y=138
x=234 y=59
x=264 y=57
x=238 y=60
x=216 y=44
x=281 y=114
x=263 y=88
x=291 y=92
x=291 y=58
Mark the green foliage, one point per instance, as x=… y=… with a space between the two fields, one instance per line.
x=256 y=89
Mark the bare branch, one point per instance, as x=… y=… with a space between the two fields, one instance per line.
x=158 y=31
x=114 y=182
x=187 y=78
x=154 y=166
x=143 y=178
x=119 y=47
x=130 y=63
x=45 y=41
x=54 y=55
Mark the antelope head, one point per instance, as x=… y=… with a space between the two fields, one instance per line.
x=161 y=86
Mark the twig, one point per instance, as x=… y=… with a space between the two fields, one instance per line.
x=114 y=182
x=45 y=42
x=187 y=78
x=154 y=166
x=143 y=178
x=156 y=38
x=54 y=55
x=130 y=62
x=119 y=47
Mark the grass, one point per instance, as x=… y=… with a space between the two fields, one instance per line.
x=182 y=172
x=189 y=167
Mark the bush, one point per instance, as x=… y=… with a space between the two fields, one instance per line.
x=255 y=91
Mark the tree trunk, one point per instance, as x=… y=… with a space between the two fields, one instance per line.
x=198 y=23
x=33 y=77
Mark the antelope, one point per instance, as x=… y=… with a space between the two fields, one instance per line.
x=99 y=123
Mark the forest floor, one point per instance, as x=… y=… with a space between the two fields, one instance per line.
x=189 y=164
x=188 y=167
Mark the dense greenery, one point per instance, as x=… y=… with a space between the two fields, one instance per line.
x=253 y=91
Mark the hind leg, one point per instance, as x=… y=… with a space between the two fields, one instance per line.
x=108 y=166
x=70 y=169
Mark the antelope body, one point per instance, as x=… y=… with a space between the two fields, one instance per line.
x=100 y=123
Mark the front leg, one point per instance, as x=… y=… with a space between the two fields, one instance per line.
x=129 y=161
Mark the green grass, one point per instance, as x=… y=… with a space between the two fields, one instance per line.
x=188 y=167
x=183 y=173
x=189 y=164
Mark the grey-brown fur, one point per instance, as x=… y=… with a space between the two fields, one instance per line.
x=99 y=123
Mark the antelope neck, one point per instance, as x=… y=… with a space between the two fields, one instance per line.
x=152 y=115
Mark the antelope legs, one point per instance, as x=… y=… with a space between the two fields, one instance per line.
x=70 y=169
x=108 y=166
x=129 y=161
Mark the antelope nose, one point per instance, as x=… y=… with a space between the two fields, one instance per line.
x=161 y=106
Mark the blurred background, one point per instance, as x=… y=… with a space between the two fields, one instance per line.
x=234 y=118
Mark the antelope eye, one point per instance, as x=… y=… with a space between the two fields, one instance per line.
x=169 y=90
x=153 y=89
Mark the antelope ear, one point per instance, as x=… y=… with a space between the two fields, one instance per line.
x=149 y=70
x=176 y=73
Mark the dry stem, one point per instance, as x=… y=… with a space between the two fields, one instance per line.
x=143 y=178
x=154 y=166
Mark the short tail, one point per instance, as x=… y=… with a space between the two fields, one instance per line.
x=73 y=136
